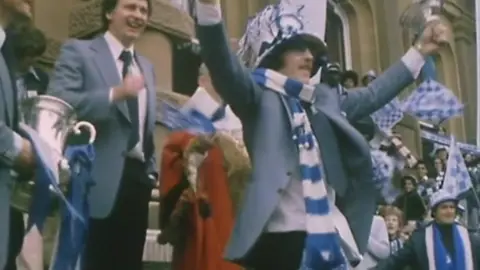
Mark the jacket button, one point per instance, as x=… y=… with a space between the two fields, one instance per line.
x=289 y=173
x=280 y=190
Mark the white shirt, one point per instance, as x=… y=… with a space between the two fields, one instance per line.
x=230 y=124
x=290 y=213
x=116 y=48
x=3 y=36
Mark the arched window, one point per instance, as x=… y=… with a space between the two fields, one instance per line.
x=337 y=35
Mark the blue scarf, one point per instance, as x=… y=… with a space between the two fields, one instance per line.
x=444 y=260
x=45 y=180
x=73 y=232
x=322 y=244
x=438 y=256
x=192 y=121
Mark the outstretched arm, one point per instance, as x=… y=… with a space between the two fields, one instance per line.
x=361 y=102
x=230 y=78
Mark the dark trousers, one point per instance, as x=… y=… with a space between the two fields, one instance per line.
x=15 y=238
x=117 y=242
x=277 y=251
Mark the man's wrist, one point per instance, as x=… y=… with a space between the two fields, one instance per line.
x=421 y=49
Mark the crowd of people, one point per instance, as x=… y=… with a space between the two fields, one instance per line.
x=411 y=208
x=309 y=199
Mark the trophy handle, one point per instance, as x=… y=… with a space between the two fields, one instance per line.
x=91 y=129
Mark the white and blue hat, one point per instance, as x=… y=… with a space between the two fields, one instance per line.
x=274 y=25
x=441 y=196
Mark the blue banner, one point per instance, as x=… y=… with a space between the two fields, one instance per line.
x=445 y=140
x=73 y=231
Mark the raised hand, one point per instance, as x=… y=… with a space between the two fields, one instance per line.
x=131 y=86
x=435 y=35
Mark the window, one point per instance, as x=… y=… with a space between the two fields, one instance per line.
x=337 y=35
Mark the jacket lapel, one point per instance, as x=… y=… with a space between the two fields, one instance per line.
x=6 y=90
x=105 y=63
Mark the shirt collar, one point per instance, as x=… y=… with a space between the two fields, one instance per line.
x=32 y=71
x=2 y=36
x=115 y=45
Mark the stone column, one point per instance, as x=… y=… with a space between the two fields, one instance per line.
x=51 y=16
x=464 y=41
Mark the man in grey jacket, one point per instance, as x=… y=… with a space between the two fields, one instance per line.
x=273 y=225
x=111 y=85
x=16 y=156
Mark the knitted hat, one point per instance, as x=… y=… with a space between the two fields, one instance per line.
x=441 y=196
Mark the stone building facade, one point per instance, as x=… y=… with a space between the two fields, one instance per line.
x=361 y=34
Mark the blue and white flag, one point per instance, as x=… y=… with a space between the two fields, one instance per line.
x=433 y=102
x=457 y=179
x=388 y=116
x=444 y=140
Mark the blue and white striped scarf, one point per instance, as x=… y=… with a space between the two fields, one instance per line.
x=322 y=244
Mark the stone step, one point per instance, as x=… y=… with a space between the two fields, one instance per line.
x=154 y=252
x=153 y=208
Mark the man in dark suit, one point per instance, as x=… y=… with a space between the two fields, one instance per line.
x=25 y=44
x=88 y=75
x=15 y=152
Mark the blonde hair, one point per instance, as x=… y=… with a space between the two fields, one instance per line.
x=391 y=210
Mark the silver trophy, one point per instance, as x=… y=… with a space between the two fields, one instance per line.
x=54 y=120
x=419 y=13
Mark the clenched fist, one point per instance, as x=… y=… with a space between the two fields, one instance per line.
x=131 y=86
x=435 y=35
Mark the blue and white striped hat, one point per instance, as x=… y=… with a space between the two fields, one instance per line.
x=274 y=25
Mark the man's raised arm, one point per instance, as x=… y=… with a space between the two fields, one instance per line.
x=230 y=78
x=362 y=102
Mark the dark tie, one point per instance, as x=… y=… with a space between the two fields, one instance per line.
x=132 y=103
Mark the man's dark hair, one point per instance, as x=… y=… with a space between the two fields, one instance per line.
x=28 y=41
x=410 y=178
x=275 y=61
x=109 y=5
x=420 y=162
x=350 y=75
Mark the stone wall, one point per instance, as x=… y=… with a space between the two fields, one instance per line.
x=372 y=24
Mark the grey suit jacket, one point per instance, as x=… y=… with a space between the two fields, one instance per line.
x=83 y=75
x=267 y=135
x=7 y=151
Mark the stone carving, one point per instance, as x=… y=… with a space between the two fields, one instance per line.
x=85 y=19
